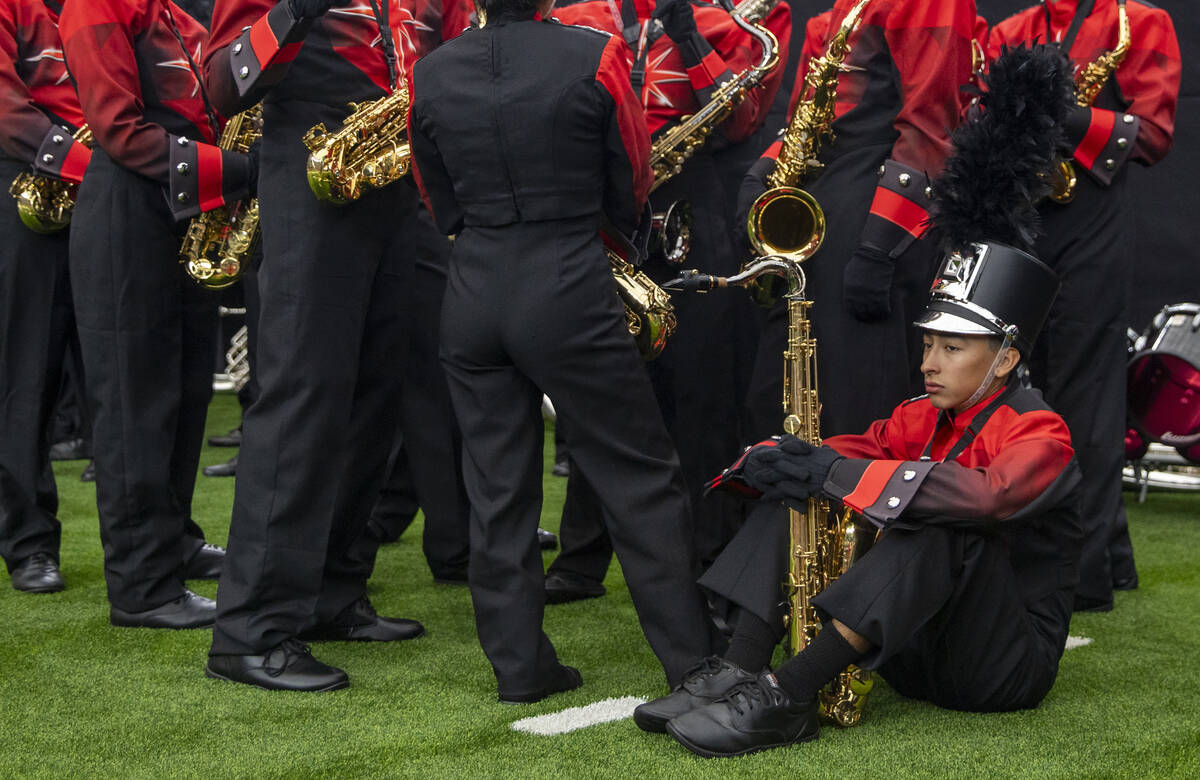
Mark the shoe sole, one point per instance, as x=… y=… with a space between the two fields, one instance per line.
x=129 y=623
x=567 y=598
x=50 y=589
x=335 y=687
x=756 y=749
x=328 y=638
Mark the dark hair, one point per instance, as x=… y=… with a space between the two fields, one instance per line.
x=510 y=7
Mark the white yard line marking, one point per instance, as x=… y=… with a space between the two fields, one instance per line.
x=1077 y=641
x=579 y=717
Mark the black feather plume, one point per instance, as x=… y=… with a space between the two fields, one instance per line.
x=1003 y=151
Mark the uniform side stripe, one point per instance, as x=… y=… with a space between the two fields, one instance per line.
x=871 y=484
x=1096 y=138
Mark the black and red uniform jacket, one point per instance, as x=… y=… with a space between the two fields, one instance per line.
x=677 y=79
x=1134 y=121
x=258 y=47
x=143 y=100
x=908 y=61
x=38 y=107
x=522 y=82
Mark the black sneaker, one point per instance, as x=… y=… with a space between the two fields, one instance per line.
x=753 y=716
x=703 y=684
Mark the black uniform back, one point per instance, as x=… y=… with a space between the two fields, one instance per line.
x=543 y=169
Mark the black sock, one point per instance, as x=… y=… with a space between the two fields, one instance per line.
x=825 y=657
x=753 y=642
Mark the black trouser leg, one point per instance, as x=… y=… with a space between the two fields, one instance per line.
x=34 y=325
x=145 y=365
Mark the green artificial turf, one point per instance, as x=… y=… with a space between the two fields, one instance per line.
x=79 y=698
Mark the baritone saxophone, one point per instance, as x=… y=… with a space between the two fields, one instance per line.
x=45 y=204
x=219 y=242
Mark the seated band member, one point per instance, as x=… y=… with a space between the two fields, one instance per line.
x=524 y=133
x=965 y=598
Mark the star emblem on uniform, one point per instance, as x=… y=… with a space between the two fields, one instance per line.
x=657 y=75
x=362 y=9
x=183 y=64
x=55 y=55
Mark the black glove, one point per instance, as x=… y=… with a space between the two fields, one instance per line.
x=867 y=284
x=676 y=17
x=310 y=9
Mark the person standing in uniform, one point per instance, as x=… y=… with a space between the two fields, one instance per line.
x=334 y=288
x=146 y=330
x=524 y=133
x=38 y=114
x=1080 y=364
x=682 y=52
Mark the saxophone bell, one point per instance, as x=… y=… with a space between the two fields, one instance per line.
x=786 y=221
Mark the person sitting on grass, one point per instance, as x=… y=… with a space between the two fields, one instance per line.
x=965 y=598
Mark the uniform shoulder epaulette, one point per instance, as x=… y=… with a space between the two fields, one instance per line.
x=596 y=30
x=916 y=398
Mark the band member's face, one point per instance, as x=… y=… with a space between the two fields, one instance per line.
x=954 y=367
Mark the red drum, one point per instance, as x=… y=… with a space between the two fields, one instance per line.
x=1164 y=378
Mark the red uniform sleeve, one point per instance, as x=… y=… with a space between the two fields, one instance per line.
x=719 y=50
x=931 y=45
x=627 y=147
x=1149 y=77
x=251 y=45
x=815 y=32
x=22 y=123
x=98 y=42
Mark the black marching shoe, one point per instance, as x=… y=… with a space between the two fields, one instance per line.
x=89 y=472
x=703 y=684
x=71 y=449
x=546 y=539
x=226 y=469
x=360 y=623
x=188 y=611
x=566 y=678
x=205 y=564
x=38 y=574
x=289 y=666
x=231 y=439
x=753 y=716
x=564 y=586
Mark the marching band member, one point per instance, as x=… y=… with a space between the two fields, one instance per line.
x=38 y=111
x=682 y=51
x=531 y=307
x=146 y=330
x=334 y=287
x=1080 y=363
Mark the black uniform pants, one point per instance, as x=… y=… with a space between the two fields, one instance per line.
x=1079 y=364
x=426 y=458
x=694 y=380
x=864 y=368
x=941 y=607
x=147 y=333
x=531 y=308
x=37 y=322
x=333 y=289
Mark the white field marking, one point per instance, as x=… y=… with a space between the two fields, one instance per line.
x=1077 y=641
x=579 y=717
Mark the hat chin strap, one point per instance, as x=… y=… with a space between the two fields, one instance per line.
x=1009 y=334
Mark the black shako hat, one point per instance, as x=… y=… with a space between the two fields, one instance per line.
x=985 y=201
x=991 y=289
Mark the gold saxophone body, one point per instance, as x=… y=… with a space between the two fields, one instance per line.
x=1088 y=83
x=44 y=203
x=218 y=243
x=370 y=150
x=786 y=220
x=648 y=309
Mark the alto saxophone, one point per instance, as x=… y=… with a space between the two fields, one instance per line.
x=648 y=310
x=219 y=242
x=44 y=203
x=823 y=543
x=1088 y=84
x=370 y=150
x=786 y=220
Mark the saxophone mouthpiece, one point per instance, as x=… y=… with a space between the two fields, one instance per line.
x=693 y=281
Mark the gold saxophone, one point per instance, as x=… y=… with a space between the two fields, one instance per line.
x=218 y=243
x=1088 y=84
x=648 y=310
x=786 y=220
x=822 y=543
x=370 y=150
x=44 y=203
